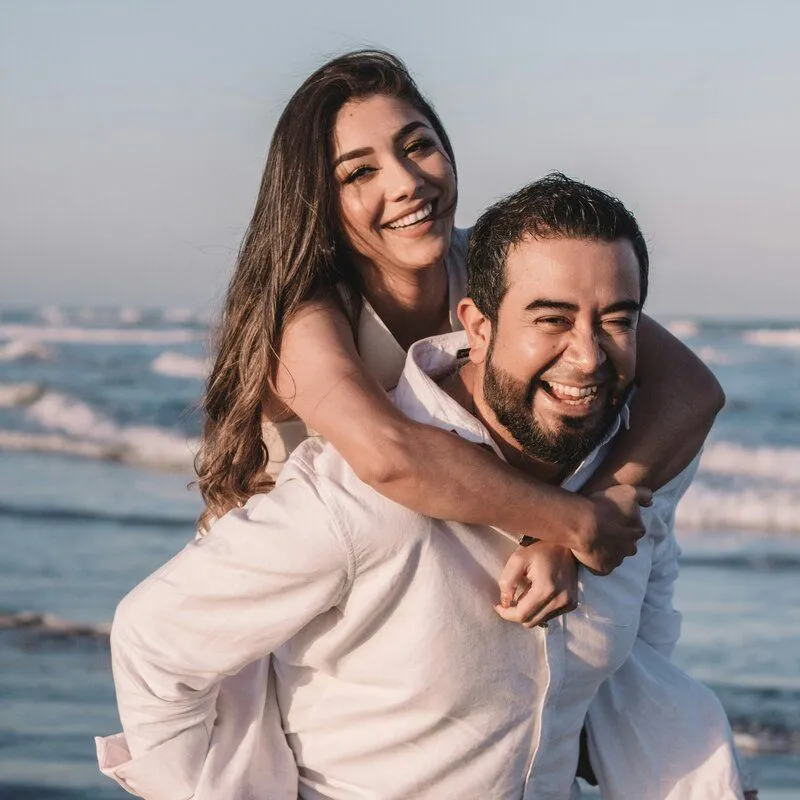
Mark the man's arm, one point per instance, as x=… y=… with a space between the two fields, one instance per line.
x=260 y=575
x=660 y=623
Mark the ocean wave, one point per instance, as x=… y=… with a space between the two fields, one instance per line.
x=683 y=328
x=15 y=441
x=84 y=515
x=130 y=316
x=180 y=316
x=781 y=464
x=24 y=350
x=767 y=509
x=13 y=395
x=765 y=719
x=179 y=365
x=75 y=428
x=52 y=626
x=768 y=740
x=100 y=335
x=52 y=315
x=714 y=357
x=751 y=562
x=774 y=338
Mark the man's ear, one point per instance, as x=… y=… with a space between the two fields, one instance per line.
x=478 y=328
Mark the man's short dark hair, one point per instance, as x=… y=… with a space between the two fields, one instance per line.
x=555 y=207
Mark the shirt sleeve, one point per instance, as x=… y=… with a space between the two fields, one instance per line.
x=660 y=623
x=261 y=574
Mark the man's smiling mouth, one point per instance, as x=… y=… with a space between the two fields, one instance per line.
x=415 y=218
x=572 y=395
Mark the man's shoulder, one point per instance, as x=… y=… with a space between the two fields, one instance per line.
x=368 y=518
x=318 y=465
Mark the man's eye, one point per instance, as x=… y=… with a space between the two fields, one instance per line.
x=552 y=321
x=618 y=324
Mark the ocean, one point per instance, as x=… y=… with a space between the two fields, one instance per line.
x=98 y=423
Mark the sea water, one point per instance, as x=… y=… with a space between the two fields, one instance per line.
x=98 y=425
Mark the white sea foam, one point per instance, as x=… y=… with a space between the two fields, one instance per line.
x=75 y=428
x=57 y=411
x=51 y=625
x=178 y=315
x=13 y=395
x=99 y=335
x=179 y=365
x=15 y=441
x=772 y=338
x=24 y=350
x=130 y=316
x=770 y=510
x=713 y=357
x=683 y=328
x=728 y=458
x=52 y=315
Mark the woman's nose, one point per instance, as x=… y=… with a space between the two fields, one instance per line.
x=403 y=179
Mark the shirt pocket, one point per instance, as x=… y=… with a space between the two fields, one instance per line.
x=616 y=599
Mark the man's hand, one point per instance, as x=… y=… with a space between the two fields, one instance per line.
x=617 y=527
x=548 y=576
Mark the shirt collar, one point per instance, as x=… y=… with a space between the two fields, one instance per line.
x=419 y=396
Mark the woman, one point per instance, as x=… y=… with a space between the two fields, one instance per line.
x=350 y=257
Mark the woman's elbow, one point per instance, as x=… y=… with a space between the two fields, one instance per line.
x=387 y=462
x=711 y=400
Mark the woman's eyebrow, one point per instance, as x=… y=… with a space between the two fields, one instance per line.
x=412 y=126
x=360 y=153
x=368 y=151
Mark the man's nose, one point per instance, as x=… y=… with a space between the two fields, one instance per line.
x=403 y=179
x=585 y=350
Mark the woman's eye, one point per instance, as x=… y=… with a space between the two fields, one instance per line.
x=358 y=173
x=419 y=145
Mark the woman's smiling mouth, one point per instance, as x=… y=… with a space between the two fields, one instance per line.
x=414 y=218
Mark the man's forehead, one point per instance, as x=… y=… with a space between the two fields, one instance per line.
x=572 y=271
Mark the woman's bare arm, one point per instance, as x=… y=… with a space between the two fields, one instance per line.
x=323 y=380
x=676 y=402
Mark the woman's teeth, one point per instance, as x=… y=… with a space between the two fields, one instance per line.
x=573 y=394
x=412 y=219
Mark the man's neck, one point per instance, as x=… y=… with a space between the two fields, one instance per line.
x=463 y=387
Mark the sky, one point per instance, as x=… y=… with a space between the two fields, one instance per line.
x=133 y=134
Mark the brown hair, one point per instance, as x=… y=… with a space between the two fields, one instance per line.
x=292 y=252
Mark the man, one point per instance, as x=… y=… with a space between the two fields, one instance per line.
x=393 y=676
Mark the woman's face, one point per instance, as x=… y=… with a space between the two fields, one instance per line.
x=396 y=186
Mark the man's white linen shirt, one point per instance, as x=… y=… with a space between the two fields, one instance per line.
x=394 y=676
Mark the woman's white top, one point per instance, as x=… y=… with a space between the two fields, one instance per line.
x=382 y=354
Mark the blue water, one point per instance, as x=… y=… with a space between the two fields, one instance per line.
x=95 y=414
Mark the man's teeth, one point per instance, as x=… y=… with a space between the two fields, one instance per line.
x=412 y=219
x=572 y=392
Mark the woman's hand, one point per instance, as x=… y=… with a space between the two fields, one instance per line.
x=547 y=575
x=619 y=525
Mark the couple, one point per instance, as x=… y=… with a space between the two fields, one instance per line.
x=390 y=674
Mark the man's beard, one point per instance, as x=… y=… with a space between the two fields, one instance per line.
x=512 y=403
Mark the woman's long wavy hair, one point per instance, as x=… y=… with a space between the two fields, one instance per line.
x=292 y=252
